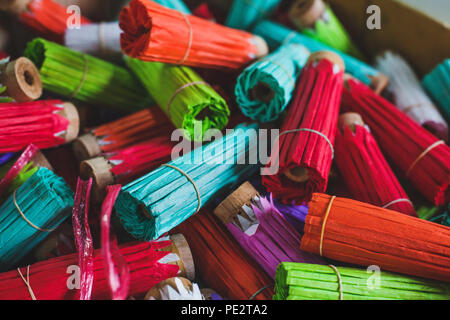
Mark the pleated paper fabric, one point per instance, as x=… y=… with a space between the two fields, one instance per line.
x=437 y=83
x=306 y=141
x=28 y=216
x=329 y=30
x=264 y=89
x=80 y=76
x=186 y=99
x=274 y=240
x=417 y=154
x=157 y=202
x=302 y=281
x=366 y=172
x=408 y=94
x=245 y=13
x=154 y=33
x=50 y=279
x=103 y=39
x=362 y=234
x=276 y=35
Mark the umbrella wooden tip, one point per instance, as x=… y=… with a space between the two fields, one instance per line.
x=39 y=160
x=70 y=112
x=305 y=13
x=15 y=7
x=22 y=80
x=330 y=56
x=181 y=248
x=297 y=174
x=379 y=82
x=261 y=46
x=155 y=292
x=86 y=147
x=232 y=205
x=351 y=120
x=99 y=169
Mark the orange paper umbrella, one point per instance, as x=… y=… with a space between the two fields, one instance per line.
x=47 y=17
x=359 y=233
x=152 y=32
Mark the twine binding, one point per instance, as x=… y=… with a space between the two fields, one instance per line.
x=25 y=218
x=199 y=199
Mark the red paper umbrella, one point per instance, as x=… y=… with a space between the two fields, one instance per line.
x=127 y=164
x=359 y=233
x=121 y=133
x=43 y=123
x=421 y=157
x=58 y=278
x=307 y=136
x=48 y=18
x=364 y=168
x=152 y=32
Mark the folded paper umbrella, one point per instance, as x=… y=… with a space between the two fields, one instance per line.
x=261 y=230
x=186 y=99
x=46 y=17
x=44 y=123
x=154 y=33
x=122 y=133
x=160 y=200
x=103 y=39
x=300 y=162
x=437 y=83
x=124 y=165
x=302 y=281
x=245 y=13
x=315 y=19
x=416 y=153
x=362 y=234
x=149 y=263
x=176 y=288
x=409 y=96
x=33 y=210
x=21 y=80
x=15 y=174
x=77 y=75
x=264 y=89
x=277 y=35
x=222 y=263
x=364 y=169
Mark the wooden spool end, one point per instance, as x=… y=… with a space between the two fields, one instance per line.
x=262 y=92
x=330 y=56
x=351 y=120
x=70 y=113
x=379 y=82
x=22 y=80
x=297 y=174
x=232 y=205
x=181 y=248
x=39 y=160
x=261 y=46
x=99 y=169
x=305 y=13
x=86 y=147
x=15 y=7
x=155 y=291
